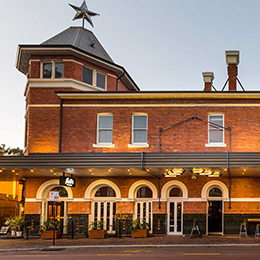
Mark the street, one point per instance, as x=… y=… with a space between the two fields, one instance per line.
x=149 y=253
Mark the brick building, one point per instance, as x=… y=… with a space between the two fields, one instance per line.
x=168 y=157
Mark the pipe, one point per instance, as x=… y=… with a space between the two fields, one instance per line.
x=159 y=186
x=229 y=130
x=160 y=132
x=197 y=118
x=60 y=125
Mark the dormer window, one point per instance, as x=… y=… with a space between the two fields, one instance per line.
x=52 y=70
x=93 y=77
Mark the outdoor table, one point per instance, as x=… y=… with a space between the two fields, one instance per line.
x=252 y=222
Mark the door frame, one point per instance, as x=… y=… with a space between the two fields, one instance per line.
x=99 y=200
x=65 y=212
x=146 y=200
x=175 y=200
x=207 y=220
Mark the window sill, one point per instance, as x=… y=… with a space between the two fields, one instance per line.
x=138 y=145
x=104 y=145
x=215 y=145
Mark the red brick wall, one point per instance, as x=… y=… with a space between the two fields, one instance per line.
x=242 y=208
x=43 y=130
x=124 y=184
x=125 y=207
x=33 y=208
x=195 y=207
x=34 y=69
x=79 y=208
x=79 y=129
x=73 y=70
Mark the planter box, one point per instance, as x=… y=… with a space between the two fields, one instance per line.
x=49 y=234
x=140 y=233
x=97 y=233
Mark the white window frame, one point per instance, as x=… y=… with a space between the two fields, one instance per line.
x=134 y=144
x=94 y=77
x=104 y=145
x=53 y=68
x=216 y=144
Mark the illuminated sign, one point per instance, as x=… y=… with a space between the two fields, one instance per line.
x=67 y=181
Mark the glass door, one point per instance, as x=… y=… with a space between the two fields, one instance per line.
x=143 y=210
x=174 y=218
x=59 y=212
x=105 y=211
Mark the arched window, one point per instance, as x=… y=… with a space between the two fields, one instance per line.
x=144 y=192
x=62 y=192
x=175 y=192
x=215 y=192
x=105 y=192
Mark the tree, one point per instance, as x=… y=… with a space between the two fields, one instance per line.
x=10 y=151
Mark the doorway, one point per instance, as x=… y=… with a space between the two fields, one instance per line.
x=215 y=217
x=59 y=212
x=174 y=218
x=105 y=211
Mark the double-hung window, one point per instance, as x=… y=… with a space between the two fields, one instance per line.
x=52 y=70
x=47 y=70
x=139 y=130
x=94 y=77
x=104 y=130
x=216 y=130
x=87 y=76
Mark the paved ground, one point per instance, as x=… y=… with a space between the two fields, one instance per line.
x=136 y=254
x=165 y=240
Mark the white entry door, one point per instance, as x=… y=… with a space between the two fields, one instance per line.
x=105 y=210
x=174 y=218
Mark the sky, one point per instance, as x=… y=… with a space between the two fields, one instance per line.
x=163 y=44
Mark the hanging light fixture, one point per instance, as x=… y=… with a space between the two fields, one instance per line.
x=215 y=174
x=174 y=172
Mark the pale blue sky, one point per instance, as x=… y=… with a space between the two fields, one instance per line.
x=164 y=44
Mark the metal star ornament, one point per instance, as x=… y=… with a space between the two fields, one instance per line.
x=84 y=13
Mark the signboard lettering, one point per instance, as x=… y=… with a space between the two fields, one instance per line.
x=67 y=181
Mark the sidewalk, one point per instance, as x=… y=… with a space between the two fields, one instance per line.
x=166 y=241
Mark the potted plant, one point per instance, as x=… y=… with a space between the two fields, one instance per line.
x=19 y=222
x=96 y=229
x=140 y=228
x=11 y=224
x=47 y=229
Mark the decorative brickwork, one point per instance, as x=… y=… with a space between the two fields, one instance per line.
x=32 y=221
x=232 y=223
x=188 y=222
x=125 y=220
x=159 y=223
x=80 y=225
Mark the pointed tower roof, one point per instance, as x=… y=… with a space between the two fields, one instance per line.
x=82 y=39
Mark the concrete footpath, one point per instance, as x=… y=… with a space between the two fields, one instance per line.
x=14 y=245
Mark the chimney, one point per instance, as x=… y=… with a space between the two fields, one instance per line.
x=232 y=59
x=208 y=79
